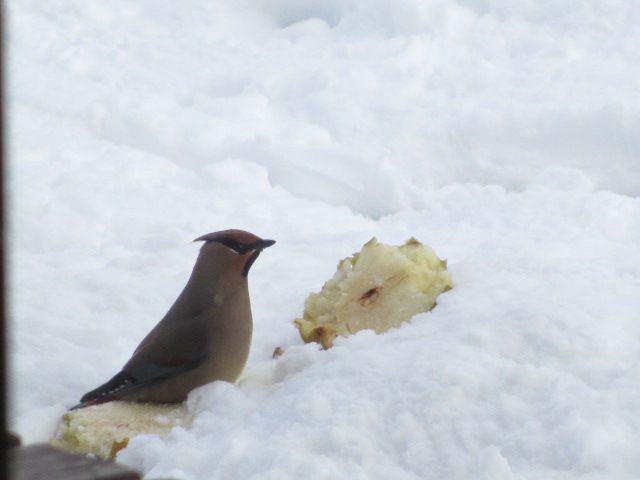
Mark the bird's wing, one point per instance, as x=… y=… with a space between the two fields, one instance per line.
x=184 y=315
x=178 y=344
x=181 y=347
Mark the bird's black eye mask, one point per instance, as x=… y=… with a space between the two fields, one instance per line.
x=234 y=245
x=242 y=248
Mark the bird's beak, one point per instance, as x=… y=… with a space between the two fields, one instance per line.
x=262 y=244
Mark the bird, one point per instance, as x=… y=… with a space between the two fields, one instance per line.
x=205 y=335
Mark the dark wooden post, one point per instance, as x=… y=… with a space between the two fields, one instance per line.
x=3 y=319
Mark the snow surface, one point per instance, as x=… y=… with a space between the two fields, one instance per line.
x=505 y=135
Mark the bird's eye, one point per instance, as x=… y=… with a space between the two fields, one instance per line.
x=232 y=244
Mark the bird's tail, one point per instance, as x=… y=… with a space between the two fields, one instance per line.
x=107 y=392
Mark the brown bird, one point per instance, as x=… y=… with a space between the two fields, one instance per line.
x=205 y=335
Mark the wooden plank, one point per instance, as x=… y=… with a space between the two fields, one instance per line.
x=42 y=461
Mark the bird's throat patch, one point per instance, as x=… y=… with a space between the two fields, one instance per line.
x=252 y=258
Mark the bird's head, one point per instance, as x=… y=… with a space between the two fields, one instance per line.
x=245 y=245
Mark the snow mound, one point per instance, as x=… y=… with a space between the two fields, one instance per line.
x=505 y=135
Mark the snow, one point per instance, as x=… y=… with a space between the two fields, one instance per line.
x=505 y=135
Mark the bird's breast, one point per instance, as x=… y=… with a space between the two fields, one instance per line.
x=218 y=299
